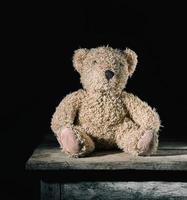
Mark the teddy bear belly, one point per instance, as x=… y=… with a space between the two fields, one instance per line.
x=103 y=135
x=100 y=118
x=101 y=124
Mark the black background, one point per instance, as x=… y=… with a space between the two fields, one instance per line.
x=36 y=68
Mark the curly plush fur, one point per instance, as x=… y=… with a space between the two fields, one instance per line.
x=102 y=115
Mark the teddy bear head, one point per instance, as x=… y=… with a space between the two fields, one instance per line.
x=104 y=68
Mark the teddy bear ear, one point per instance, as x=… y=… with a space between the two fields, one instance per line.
x=131 y=58
x=78 y=57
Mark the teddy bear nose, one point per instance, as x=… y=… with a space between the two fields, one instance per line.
x=109 y=74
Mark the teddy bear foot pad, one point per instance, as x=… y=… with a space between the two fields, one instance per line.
x=68 y=141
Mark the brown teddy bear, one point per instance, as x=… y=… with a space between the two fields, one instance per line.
x=102 y=115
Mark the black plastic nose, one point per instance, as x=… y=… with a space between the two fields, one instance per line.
x=109 y=74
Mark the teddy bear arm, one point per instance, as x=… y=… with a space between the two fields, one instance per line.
x=66 y=111
x=141 y=113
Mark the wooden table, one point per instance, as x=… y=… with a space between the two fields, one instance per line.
x=110 y=174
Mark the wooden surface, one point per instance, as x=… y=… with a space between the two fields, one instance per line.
x=170 y=156
x=50 y=191
x=124 y=190
x=110 y=174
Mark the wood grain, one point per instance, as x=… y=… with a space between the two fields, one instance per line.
x=50 y=191
x=114 y=190
x=170 y=158
x=48 y=156
x=125 y=190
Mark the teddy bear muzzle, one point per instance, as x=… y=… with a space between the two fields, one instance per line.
x=109 y=74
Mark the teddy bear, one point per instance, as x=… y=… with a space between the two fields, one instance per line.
x=103 y=115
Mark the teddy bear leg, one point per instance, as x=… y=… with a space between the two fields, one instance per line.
x=137 y=142
x=148 y=143
x=75 y=142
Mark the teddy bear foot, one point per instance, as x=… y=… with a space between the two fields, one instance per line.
x=75 y=143
x=68 y=141
x=146 y=143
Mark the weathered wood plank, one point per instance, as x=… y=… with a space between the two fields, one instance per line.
x=170 y=156
x=125 y=190
x=53 y=159
x=50 y=191
x=114 y=190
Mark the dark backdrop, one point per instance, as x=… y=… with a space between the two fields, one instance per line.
x=38 y=44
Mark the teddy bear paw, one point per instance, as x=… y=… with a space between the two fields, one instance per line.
x=145 y=144
x=68 y=141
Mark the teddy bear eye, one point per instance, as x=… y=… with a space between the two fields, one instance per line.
x=94 y=62
x=121 y=64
